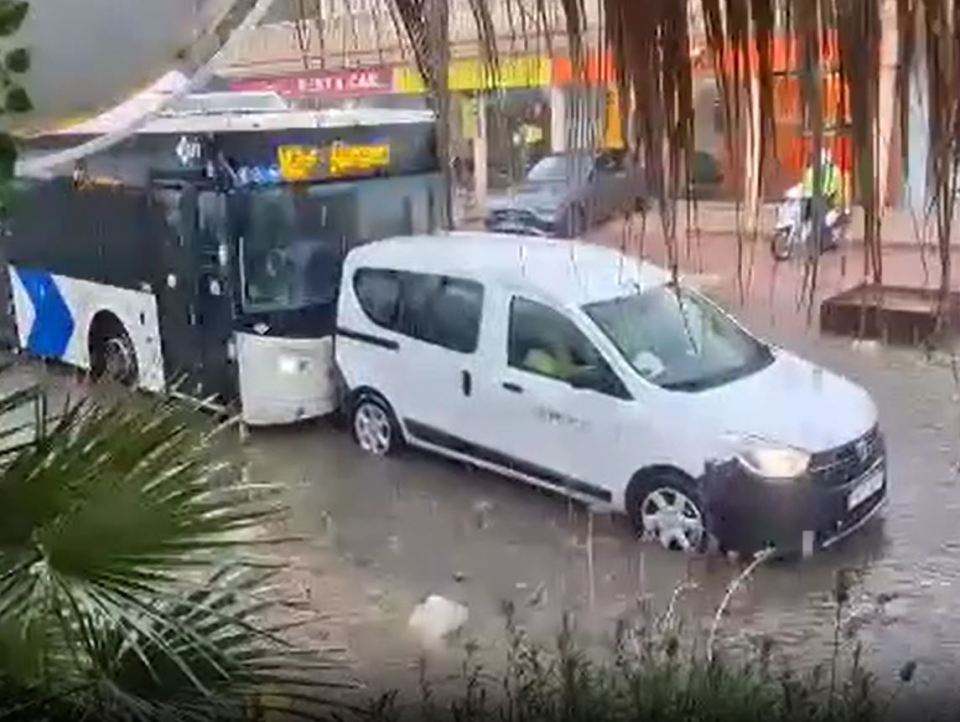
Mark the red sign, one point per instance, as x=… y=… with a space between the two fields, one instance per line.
x=319 y=85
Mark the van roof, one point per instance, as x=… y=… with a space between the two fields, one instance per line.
x=566 y=271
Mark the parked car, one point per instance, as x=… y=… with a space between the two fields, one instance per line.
x=572 y=367
x=565 y=195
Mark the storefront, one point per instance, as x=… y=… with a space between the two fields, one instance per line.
x=504 y=119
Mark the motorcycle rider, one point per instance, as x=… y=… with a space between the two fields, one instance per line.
x=833 y=197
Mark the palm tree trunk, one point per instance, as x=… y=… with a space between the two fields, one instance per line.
x=889 y=49
x=753 y=183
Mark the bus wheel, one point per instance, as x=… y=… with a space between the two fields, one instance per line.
x=113 y=356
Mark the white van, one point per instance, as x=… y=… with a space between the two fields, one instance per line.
x=574 y=367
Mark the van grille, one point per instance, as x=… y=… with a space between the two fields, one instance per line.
x=847 y=463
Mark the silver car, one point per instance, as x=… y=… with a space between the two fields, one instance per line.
x=566 y=194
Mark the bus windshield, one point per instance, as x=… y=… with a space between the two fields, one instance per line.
x=290 y=254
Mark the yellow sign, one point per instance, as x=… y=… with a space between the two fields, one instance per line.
x=613 y=133
x=299 y=162
x=532 y=134
x=358 y=158
x=470 y=74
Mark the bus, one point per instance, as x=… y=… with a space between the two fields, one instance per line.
x=202 y=255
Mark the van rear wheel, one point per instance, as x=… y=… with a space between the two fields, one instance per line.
x=374 y=427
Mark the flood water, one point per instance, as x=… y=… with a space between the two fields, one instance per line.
x=378 y=535
x=382 y=534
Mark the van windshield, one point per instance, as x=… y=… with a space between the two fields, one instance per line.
x=678 y=339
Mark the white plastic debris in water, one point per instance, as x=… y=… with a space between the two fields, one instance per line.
x=866 y=345
x=436 y=618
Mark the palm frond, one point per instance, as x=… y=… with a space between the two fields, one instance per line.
x=125 y=585
x=651 y=43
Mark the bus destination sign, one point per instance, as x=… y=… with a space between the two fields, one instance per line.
x=302 y=163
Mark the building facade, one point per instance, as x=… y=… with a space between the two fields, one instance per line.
x=355 y=52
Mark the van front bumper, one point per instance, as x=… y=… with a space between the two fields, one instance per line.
x=747 y=513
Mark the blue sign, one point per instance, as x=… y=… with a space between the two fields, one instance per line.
x=259 y=175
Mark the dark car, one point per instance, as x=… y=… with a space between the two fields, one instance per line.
x=567 y=194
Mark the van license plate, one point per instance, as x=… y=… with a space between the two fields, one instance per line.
x=864 y=490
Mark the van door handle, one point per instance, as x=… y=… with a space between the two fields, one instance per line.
x=515 y=388
x=466 y=383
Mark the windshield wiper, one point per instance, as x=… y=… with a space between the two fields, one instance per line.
x=692 y=385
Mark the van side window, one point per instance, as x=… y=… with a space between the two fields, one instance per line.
x=379 y=295
x=547 y=343
x=439 y=310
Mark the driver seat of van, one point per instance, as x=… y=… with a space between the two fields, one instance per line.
x=556 y=364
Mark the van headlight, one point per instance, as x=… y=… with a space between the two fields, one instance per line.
x=769 y=459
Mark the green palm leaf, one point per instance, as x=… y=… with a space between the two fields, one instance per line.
x=127 y=586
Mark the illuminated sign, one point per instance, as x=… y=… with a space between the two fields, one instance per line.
x=345 y=159
x=299 y=163
x=259 y=175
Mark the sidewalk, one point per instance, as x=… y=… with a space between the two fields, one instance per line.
x=898 y=227
x=744 y=273
x=745 y=270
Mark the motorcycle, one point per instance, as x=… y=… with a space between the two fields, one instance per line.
x=794 y=227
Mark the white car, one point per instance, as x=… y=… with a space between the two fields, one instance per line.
x=576 y=368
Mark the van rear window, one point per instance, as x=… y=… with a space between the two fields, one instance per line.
x=436 y=309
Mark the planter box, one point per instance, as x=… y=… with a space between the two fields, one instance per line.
x=895 y=314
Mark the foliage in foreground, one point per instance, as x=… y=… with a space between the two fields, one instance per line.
x=130 y=585
x=128 y=591
x=648 y=676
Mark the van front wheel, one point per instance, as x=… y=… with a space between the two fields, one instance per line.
x=374 y=427
x=667 y=509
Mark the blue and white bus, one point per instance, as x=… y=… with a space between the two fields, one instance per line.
x=203 y=254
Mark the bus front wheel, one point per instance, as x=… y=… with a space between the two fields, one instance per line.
x=113 y=356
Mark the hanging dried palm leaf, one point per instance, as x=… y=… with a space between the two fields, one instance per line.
x=826 y=41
